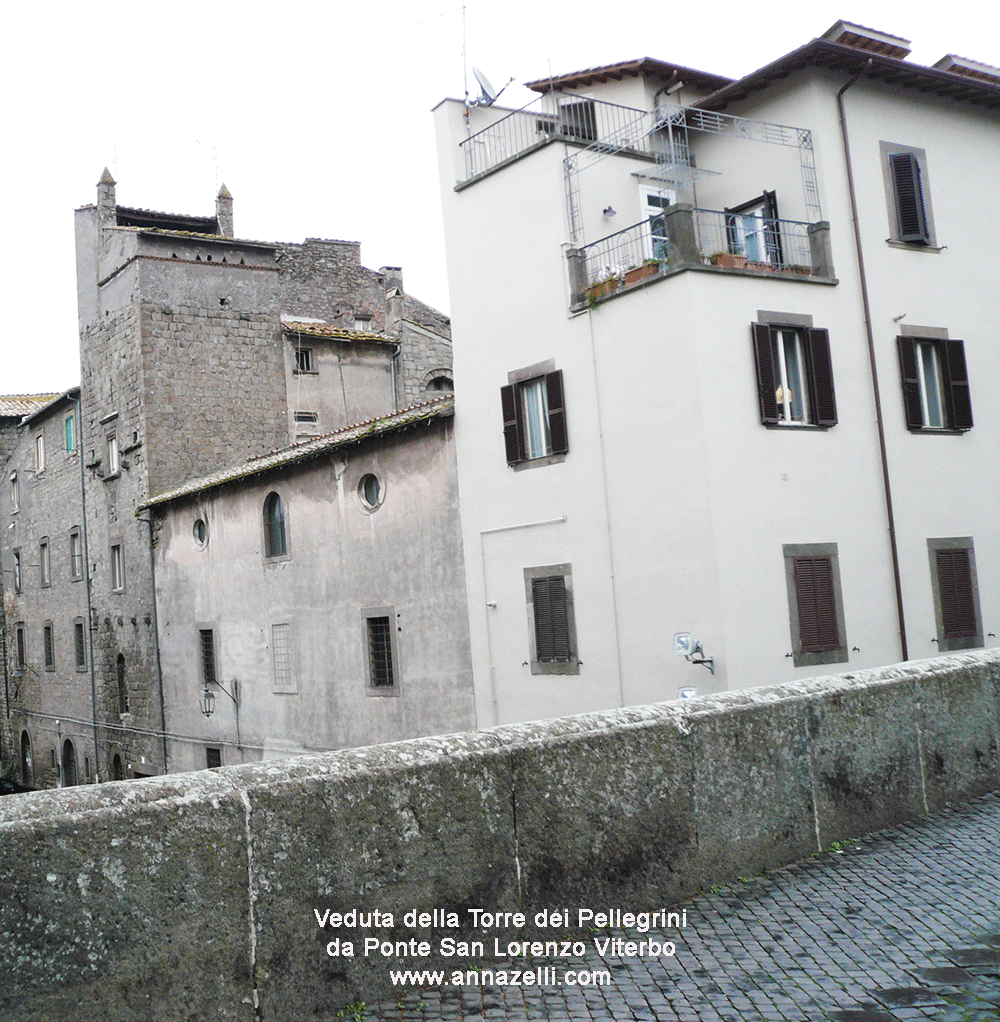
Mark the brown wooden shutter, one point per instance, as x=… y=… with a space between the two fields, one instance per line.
x=816 y=604
x=512 y=433
x=557 y=412
x=958 y=607
x=911 y=383
x=764 y=362
x=910 y=215
x=957 y=397
x=824 y=400
x=772 y=229
x=548 y=597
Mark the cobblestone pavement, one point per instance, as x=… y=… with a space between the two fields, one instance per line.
x=900 y=926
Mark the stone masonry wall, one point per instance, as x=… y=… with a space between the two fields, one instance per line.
x=632 y=809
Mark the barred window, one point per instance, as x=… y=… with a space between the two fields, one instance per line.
x=80 y=644
x=281 y=651
x=380 y=652
x=206 y=650
x=50 y=648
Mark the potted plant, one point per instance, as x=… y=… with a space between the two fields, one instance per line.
x=728 y=260
x=649 y=268
x=602 y=288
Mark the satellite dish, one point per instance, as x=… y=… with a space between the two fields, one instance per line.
x=488 y=95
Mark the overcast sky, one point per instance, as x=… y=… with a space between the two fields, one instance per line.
x=317 y=117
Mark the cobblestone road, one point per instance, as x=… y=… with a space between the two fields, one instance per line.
x=903 y=925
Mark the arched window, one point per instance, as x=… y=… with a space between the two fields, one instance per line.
x=440 y=385
x=27 y=771
x=117 y=768
x=69 y=777
x=122 y=686
x=275 y=544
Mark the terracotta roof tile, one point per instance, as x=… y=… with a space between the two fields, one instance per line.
x=23 y=404
x=439 y=408
x=295 y=326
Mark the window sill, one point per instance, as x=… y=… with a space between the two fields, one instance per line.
x=113 y=475
x=278 y=559
x=829 y=656
x=540 y=668
x=914 y=246
x=797 y=427
x=305 y=372
x=937 y=431
x=382 y=692
x=549 y=459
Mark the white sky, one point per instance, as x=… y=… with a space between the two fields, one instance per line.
x=317 y=117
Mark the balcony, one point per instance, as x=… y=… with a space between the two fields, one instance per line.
x=563 y=117
x=686 y=238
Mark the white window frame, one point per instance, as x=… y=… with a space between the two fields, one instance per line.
x=535 y=407
x=929 y=377
x=15 y=492
x=39 y=452
x=44 y=562
x=75 y=554
x=114 y=460
x=653 y=208
x=117 y=568
x=781 y=337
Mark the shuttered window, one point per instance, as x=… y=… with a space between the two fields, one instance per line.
x=935 y=383
x=908 y=191
x=794 y=375
x=551 y=620
x=958 y=607
x=534 y=418
x=817 y=604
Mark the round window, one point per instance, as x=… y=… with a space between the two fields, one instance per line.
x=370 y=490
x=200 y=531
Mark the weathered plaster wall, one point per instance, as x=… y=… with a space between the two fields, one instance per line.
x=633 y=808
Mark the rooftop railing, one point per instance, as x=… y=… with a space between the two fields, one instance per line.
x=556 y=115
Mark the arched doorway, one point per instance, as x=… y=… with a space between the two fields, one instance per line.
x=69 y=776
x=117 y=768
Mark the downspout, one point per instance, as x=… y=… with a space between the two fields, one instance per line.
x=86 y=578
x=871 y=360
x=156 y=642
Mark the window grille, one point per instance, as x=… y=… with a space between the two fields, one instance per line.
x=206 y=641
x=281 y=649
x=380 y=652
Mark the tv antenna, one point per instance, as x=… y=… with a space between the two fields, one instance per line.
x=488 y=95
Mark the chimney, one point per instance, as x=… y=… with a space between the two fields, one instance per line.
x=969 y=68
x=224 y=212
x=107 y=206
x=847 y=34
x=393 y=276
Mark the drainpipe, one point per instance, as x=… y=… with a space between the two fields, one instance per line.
x=86 y=578
x=871 y=361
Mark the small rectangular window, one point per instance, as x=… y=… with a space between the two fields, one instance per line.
x=552 y=630
x=70 y=434
x=303 y=360
x=17 y=571
x=114 y=464
x=812 y=576
x=40 y=452
x=15 y=492
x=363 y=324
x=306 y=417
x=935 y=381
x=117 y=569
x=956 y=594
x=206 y=651
x=380 y=652
x=213 y=758
x=534 y=418
x=49 y=644
x=21 y=647
x=75 y=555
x=281 y=651
x=794 y=375
x=80 y=644
x=44 y=564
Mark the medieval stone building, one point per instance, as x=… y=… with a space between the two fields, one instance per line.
x=199 y=350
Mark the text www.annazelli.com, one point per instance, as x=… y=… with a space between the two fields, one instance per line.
x=542 y=976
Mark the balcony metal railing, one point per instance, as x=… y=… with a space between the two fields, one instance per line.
x=685 y=237
x=556 y=115
x=752 y=241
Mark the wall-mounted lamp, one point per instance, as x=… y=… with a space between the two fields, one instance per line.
x=206 y=701
x=610 y=211
x=687 y=646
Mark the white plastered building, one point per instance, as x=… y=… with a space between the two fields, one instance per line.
x=693 y=401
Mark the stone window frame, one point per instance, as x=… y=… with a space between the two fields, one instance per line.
x=270 y=558
x=80 y=643
x=49 y=645
x=39 y=452
x=74 y=575
x=572 y=666
x=371 y=614
x=946 y=645
x=44 y=563
x=800 y=658
x=18 y=570
x=117 y=565
x=207 y=676
x=20 y=647
x=15 y=493
x=511 y=398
